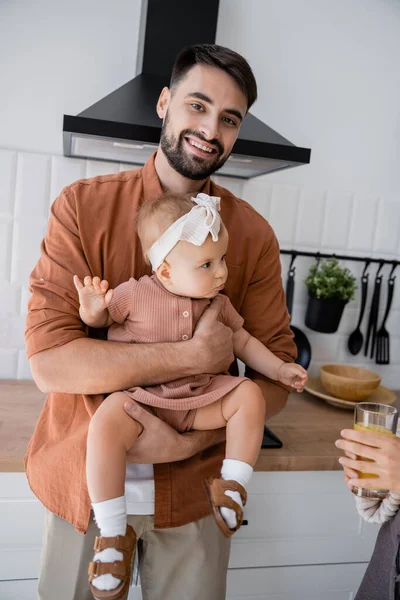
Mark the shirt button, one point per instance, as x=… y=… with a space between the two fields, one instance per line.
x=185 y=337
x=185 y=313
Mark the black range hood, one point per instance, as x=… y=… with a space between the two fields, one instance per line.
x=124 y=126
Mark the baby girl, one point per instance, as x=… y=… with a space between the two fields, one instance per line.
x=185 y=242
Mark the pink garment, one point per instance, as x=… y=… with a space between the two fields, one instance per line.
x=145 y=312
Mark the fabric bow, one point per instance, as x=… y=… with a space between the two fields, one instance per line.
x=193 y=227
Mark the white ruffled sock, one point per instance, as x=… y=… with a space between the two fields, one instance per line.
x=111 y=519
x=238 y=471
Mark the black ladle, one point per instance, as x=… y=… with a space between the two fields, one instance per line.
x=300 y=338
x=356 y=338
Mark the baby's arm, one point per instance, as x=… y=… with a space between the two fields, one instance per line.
x=94 y=298
x=254 y=354
x=378 y=511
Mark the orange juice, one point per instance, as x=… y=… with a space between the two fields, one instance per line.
x=372 y=429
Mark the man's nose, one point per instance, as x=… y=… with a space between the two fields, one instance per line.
x=210 y=127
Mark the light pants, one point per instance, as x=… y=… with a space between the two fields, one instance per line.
x=181 y=563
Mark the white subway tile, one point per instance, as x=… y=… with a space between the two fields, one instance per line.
x=388 y=228
x=27 y=238
x=10 y=299
x=127 y=167
x=8 y=164
x=32 y=190
x=258 y=194
x=65 y=171
x=310 y=220
x=5 y=248
x=233 y=184
x=25 y=296
x=283 y=212
x=325 y=347
x=98 y=167
x=23 y=369
x=12 y=332
x=348 y=321
x=337 y=220
x=8 y=363
x=363 y=223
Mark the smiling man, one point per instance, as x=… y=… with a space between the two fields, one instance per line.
x=92 y=230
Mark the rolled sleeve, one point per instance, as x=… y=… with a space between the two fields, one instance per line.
x=53 y=310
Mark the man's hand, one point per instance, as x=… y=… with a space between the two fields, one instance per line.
x=160 y=443
x=382 y=449
x=214 y=344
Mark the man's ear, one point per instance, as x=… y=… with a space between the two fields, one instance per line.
x=163 y=273
x=163 y=102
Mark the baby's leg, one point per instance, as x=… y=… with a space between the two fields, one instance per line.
x=111 y=433
x=243 y=412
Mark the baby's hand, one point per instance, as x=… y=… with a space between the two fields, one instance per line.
x=93 y=295
x=293 y=375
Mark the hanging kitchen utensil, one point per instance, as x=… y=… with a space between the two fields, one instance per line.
x=300 y=338
x=382 y=337
x=373 y=315
x=356 y=339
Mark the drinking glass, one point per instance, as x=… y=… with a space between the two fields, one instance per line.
x=376 y=418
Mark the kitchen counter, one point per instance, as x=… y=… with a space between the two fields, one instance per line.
x=308 y=428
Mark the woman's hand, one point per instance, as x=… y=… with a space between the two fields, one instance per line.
x=383 y=450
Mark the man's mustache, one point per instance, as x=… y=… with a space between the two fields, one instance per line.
x=201 y=137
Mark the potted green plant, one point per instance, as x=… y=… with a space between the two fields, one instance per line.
x=330 y=287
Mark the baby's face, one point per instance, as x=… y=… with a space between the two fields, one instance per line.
x=199 y=271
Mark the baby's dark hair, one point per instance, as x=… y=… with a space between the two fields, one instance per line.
x=156 y=215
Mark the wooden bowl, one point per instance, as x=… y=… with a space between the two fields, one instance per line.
x=349 y=383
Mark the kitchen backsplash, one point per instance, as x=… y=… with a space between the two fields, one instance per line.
x=330 y=221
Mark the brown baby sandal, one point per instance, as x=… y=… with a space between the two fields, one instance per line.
x=121 y=569
x=215 y=490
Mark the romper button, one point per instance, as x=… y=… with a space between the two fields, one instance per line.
x=185 y=314
x=185 y=337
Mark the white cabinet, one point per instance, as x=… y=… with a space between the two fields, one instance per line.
x=321 y=582
x=301 y=518
x=304 y=539
x=21 y=526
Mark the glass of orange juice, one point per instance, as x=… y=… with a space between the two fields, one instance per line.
x=376 y=418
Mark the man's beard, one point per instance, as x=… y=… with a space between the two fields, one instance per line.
x=190 y=166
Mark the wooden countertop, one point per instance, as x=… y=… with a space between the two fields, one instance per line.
x=308 y=428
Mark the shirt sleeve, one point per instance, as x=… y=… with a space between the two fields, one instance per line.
x=229 y=316
x=121 y=305
x=378 y=511
x=264 y=306
x=53 y=310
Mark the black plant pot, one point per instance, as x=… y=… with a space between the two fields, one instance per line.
x=324 y=315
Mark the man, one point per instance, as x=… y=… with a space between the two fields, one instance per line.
x=91 y=230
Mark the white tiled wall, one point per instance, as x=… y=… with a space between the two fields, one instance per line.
x=334 y=220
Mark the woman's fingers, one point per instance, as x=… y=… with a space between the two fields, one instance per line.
x=357 y=449
x=358 y=465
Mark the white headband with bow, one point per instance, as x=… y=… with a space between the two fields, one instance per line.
x=193 y=227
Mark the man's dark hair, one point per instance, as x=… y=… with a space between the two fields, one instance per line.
x=222 y=58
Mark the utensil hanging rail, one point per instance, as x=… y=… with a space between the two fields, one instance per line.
x=383 y=261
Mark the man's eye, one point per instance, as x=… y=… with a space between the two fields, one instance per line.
x=229 y=121
x=196 y=106
x=206 y=265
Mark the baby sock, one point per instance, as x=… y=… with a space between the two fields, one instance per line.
x=111 y=519
x=238 y=471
